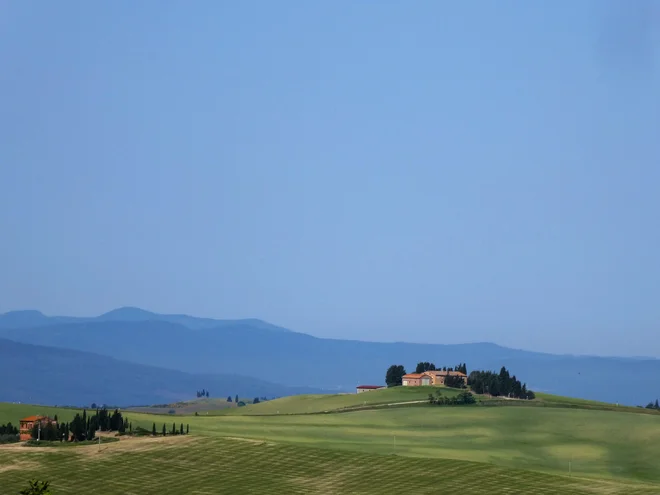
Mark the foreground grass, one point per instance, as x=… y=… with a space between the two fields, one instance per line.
x=214 y=465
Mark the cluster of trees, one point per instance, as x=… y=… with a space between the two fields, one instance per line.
x=173 y=431
x=8 y=433
x=83 y=426
x=202 y=393
x=463 y=398
x=498 y=384
x=650 y=405
x=423 y=366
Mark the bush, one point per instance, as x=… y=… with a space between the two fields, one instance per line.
x=464 y=398
x=9 y=438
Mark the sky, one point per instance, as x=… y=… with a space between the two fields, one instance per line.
x=422 y=171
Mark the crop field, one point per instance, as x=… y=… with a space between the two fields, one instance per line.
x=198 y=465
x=418 y=448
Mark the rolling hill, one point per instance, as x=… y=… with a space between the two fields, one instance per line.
x=47 y=375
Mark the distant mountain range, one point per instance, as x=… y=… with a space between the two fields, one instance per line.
x=46 y=375
x=32 y=318
x=265 y=352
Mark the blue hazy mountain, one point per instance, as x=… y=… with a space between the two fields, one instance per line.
x=33 y=318
x=297 y=359
x=46 y=375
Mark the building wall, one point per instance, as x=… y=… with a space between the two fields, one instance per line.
x=412 y=382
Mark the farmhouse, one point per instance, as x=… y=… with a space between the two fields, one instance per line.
x=367 y=388
x=26 y=425
x=436 y=377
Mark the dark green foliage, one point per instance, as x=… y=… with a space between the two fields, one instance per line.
x=153 y=430
x=36 y=488
x=164 y=430
x=652 y=405
x=8 y=433
x=454 y=381
x=496 y=384
x=236 y=398
x=424 y=366
x=187 y=429
x=462 y=399
x=229 y=399
x=241 y=403
x=394 y=375
x=181 y=430
x=256 y=400
x=174 y=429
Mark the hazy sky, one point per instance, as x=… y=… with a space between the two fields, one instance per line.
x=425 y=171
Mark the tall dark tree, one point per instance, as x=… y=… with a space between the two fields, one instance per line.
x=229 y=399
x=237 y=398
x=394 y=375
x=164 y=430
x=657 y=406
x=207 y=393
x=181 y=430
x=256 y=400
x=173 y=428
x=187 y=429
x=153 y=430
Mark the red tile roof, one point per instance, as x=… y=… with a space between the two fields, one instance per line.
x=31 y=418
x=413 y=375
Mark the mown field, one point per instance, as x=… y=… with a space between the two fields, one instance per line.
x=200 y=465
x=416 y=448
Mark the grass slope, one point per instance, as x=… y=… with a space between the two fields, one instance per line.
x=306 y=404
x=211 y=466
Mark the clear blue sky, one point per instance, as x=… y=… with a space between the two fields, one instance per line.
x=425 y=171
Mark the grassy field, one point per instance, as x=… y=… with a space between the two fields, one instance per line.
x=438 y=448
x=307 y=404
x=198 y=465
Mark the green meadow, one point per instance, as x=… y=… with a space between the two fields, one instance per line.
x=291 y=446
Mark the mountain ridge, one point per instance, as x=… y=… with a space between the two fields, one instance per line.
x=298 y=359
x=30 y=318
x=52 y=375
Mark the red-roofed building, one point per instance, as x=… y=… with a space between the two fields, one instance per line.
x=367 y=388
x=436 y=377
x=26 y=425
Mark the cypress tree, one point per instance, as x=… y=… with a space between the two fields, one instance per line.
x=187 y=429
x=153 y=430
x=236 y=398
x=181 y=430
x=173 y=428
x=164 y=432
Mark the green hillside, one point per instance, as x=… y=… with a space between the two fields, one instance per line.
x=307 y=404
x=612 y=451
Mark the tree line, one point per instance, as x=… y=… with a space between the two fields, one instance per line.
x=463 y=398
x=202 y=393
x=173 y=431
x=8 y=433
x=424 y=366
x=83 y=426
x=499 y=384
x=653 y=405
